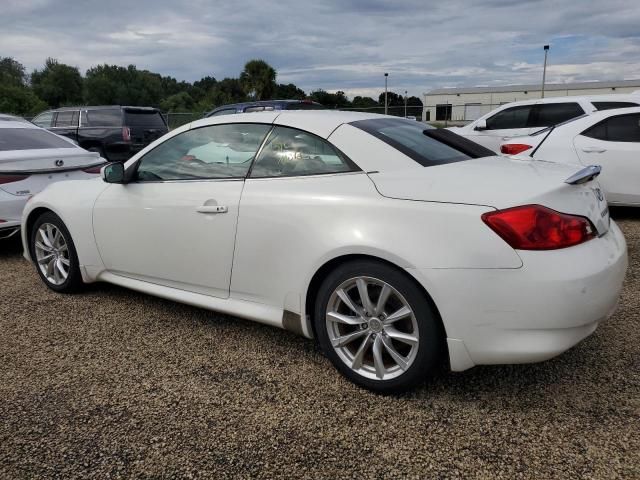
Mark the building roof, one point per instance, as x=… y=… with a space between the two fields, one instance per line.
x=536 y=87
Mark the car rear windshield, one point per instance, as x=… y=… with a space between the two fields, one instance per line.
x=143 y=118
x=409 y=137
x=30 y=139
x=104 y=117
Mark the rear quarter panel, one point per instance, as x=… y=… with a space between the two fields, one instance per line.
x=289 y=227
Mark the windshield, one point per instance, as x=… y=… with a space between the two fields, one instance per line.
x=409 y=137
x=30 y=139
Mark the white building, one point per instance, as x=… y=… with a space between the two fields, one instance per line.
x=469 y=103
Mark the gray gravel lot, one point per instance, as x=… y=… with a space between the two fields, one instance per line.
x=112 y=383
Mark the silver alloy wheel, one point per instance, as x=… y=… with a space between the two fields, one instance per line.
x=372 y=328
x=52 y=254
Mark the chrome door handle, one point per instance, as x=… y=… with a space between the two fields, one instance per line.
x=594 y=150
x=212 y=209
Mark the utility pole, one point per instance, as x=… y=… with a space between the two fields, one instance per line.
x=544 y=69
x=386 y=75
x=405 y=104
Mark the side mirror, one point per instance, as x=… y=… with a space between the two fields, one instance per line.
x=113 y=173
x=481 y=125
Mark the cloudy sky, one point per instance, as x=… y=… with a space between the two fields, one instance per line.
x=336 y=44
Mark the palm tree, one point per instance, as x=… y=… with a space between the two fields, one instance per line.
x=258 y=79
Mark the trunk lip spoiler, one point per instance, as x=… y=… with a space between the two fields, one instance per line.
x=585 y=175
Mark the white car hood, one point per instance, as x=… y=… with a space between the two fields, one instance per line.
x=499 y=182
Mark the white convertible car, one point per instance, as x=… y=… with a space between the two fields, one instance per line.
x=389 y=242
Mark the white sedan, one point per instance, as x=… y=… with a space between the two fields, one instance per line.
x=610 y=139
x=32 y=158
x=389 y=242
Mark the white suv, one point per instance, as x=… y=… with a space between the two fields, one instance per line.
x=522 y=118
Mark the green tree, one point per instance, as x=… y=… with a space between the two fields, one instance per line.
x=57 y=83
x=178 y=102
x=12 y=72
x=289 y=92
x=364 y=102
x=258 y=80
x=228 y=90
x=332 y=100
x=111 y=84
x=20 y=100
x=205 y=83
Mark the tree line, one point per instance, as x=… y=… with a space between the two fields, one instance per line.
x=57 y=84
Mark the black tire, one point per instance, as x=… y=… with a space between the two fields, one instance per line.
x=430 y=332
x=73 y=283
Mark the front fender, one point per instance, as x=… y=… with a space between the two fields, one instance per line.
x=73 y=202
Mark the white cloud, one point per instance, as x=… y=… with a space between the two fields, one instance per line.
x=336 y=45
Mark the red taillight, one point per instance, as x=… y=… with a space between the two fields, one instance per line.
x=11 y=178
x=126 y=134
x=514 y=148
x=534 y=227
x=94 y=169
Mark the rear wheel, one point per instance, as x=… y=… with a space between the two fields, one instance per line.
x=54 y=254
x=376 y=326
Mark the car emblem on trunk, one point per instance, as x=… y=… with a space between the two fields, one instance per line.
x=598 y=193
x=59 y=162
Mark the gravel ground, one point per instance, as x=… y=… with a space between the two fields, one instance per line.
x=112 y=383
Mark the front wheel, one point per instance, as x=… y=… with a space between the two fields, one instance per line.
x=54 y=254
x=377 y=326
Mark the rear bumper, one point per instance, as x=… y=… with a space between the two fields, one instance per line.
x=533 y=313
x=11 y=207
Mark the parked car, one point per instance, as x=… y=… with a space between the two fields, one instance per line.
x=32 y=158
x=610 y=139
x=523 y=118
x=265 y=105
x=115 y=132
x=388 y=241
x=11 y=118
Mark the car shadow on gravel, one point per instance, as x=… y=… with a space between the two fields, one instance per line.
x=625 y=213
x=10 y=247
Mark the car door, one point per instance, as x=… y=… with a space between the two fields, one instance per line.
x=296 y=176
x=614 y=143
x=174 y=223
x=66 y=124
x=507 y=123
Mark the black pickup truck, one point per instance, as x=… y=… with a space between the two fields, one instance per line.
x=115 y=132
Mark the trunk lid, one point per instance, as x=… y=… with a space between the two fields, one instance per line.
x=47 y=160
x=499 y=182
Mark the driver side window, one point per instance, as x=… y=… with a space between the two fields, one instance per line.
x=290 y=153
x=211 y=152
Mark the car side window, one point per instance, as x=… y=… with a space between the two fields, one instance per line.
x=211 y=152
x=547 y=114
x=621 y=128
x=68 y=118
x=613 y=105
x=514 y=117
x=108 y=117
x=44 y=120
x=289 y=152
